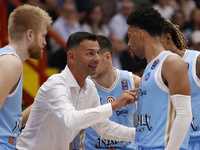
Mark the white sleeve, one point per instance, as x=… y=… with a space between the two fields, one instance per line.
x=58 y=101
x=182 y=105
x=113 y=131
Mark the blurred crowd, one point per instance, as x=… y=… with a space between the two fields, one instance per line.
x=108 y=18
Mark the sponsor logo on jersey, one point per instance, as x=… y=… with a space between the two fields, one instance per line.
x=110 y=99
x=122 y=111
x=147 y=76
x=155 y=64
x=111 y=143
x=105 y=143
x=124 y=84
x=11 y=140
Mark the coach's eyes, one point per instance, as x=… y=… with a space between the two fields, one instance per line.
x=89 y=53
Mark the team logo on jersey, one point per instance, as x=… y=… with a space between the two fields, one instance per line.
x=155 y=64
x=195 y=128
x=142 y=92
x=147 y=76
x=188 y=65
x=143 y=120
x=124 y=84
x=110 y=99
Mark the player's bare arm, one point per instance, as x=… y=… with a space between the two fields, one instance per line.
x=198 y=66
x=175 y=75
x=25 y=115
x=127 y=97
x=11 y=69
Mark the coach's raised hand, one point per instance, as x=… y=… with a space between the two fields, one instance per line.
x=127 y=97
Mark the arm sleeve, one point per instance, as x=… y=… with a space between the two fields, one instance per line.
x=59 y=102
x=182 y=105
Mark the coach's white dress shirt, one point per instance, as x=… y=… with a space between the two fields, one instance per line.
x=61 y=109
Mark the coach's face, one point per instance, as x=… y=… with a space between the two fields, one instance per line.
x=86 y=57
x=102 y=67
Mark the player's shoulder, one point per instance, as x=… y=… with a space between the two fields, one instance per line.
x=129 y=73
x=123 y=71
x=173 y=64
x=173 y=59
x=10 y=61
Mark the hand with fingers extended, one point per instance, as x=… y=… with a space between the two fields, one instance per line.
x=127 y=97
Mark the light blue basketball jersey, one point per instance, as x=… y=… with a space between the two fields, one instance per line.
x=155 y=113
x=190 y=57
x=90 y=140
x=11 y=112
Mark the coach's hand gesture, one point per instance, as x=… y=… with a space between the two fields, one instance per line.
x=127 y=97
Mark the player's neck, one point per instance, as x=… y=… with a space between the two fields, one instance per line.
x=20 y=49
x=181 y=53
x=108 y=79
x=152 y=50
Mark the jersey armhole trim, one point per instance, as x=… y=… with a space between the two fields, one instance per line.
x=194 y=74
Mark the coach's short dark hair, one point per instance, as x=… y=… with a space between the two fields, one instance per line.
x=147 y=18
x=104 y=44
x=76 y=38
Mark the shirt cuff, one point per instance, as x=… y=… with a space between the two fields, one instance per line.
x=106 y=110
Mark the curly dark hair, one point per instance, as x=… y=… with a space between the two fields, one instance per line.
x=177 y=37
x=147 y=18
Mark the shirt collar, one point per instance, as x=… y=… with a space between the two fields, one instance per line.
x=70 y=80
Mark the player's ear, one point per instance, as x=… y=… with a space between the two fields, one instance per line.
x=168 y=37
x=29 y=34
x=141 y=33
x=108 y=56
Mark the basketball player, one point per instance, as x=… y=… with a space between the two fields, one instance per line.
x=172 y=39
x=110 y=84
x=165 y=86
x=27 y=28
x=68 y=102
